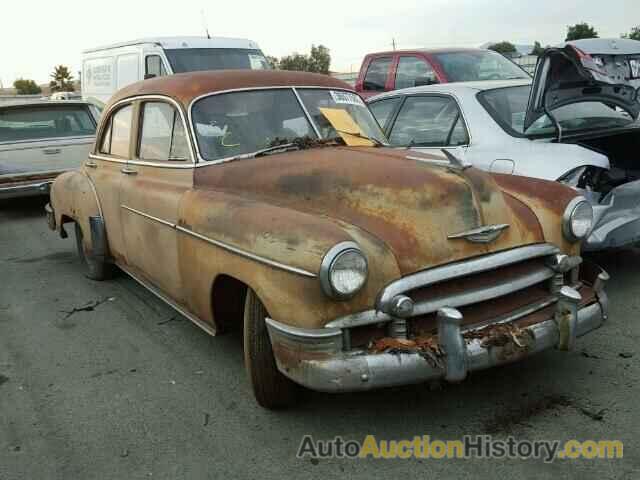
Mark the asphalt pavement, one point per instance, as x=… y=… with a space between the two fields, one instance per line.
x=101 y=380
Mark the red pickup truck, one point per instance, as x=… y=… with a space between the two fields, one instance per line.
x=384 y=71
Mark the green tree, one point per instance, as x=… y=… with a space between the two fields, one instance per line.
x=507 y=49
x=26 y=87
x=537 y=49
x=634 y=34
x=273 y=61
x=317 y=61
x=62 y=80
x=580 y=31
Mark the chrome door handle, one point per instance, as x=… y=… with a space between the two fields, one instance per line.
x=51 y=151
x=91 y=164
x=129 y=171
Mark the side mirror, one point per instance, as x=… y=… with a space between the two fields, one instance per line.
x=147 y=76
x=423 y=81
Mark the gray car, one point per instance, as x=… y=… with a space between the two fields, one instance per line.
x=575 y=122
x=40 y=140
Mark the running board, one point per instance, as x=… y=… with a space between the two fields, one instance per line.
x=199 y=323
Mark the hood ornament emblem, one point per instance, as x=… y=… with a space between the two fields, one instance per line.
x=486 y=234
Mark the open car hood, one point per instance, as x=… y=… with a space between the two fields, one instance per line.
x=568 y=75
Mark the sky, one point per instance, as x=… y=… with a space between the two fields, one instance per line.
x=37 y=35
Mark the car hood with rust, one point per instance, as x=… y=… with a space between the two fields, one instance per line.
x=411 y=205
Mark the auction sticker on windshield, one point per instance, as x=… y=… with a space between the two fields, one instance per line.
x=346 y=98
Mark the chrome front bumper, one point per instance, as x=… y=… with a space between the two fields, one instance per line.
x=318 y=359
x=28 y=189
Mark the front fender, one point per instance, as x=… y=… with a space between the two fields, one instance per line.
x=283 y=235
x=547 y=200
x=73 y=198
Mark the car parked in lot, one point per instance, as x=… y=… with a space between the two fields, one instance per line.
x=385 y=71
x=40 y=140
x=266 y=200
x=588 y=141
x=617 y=56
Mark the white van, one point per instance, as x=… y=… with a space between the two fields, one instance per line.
x=107 y=69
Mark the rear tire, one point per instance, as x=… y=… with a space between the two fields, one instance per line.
x=271 y=388
x=93 y=268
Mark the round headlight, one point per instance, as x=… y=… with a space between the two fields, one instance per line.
x=577 y=220
x=344 y=271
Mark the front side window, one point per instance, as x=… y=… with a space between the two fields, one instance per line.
x=116 y=139
x=196 y=59
x=162 y=135
x=41 y=122
x=414 y=72
x=468 y=66
x=154 y=67
x=429 y=121
x=376 y=77
x=508 y=107
x=239 y=123
x=383 y=109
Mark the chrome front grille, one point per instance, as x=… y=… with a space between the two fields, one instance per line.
x=497 y=287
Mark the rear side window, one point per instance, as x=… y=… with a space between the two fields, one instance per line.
x=115 y=140
x=162 y=134
x=377 y=73
x=40 y=122
x=429 y=121
x=413 y=72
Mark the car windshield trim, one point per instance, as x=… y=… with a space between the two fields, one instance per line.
x=567 y=132
x=294 y=88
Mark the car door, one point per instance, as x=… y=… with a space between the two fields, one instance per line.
x=423 y=122
x=160 y=172
x=105 y=169
x=377 y=75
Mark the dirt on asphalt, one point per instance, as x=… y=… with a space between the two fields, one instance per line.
x=101 y=380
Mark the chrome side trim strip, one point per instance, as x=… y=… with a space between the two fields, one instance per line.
x=166 y=164
x=244 y=253
x=462 y=268
x=226 y=246
x=199 y=323
x=150 y=217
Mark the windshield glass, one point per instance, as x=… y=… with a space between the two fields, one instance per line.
x=508 y=106
x=239 y=123
x=196 y=59
x=39 y=122
x=478 y=65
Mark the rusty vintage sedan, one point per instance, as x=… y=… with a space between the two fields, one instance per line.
x=268 y=201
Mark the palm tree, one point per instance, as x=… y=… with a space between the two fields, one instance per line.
x=62 y=80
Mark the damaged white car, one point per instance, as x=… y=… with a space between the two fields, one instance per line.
x=574 y=123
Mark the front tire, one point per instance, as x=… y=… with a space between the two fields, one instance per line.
x=270 y=387
x=94 y=269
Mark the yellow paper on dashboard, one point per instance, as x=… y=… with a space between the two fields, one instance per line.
x=346 y=127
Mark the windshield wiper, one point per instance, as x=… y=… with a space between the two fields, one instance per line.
x=285 y=147
x=373 y=140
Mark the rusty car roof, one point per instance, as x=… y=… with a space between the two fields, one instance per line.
x=184 y=87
